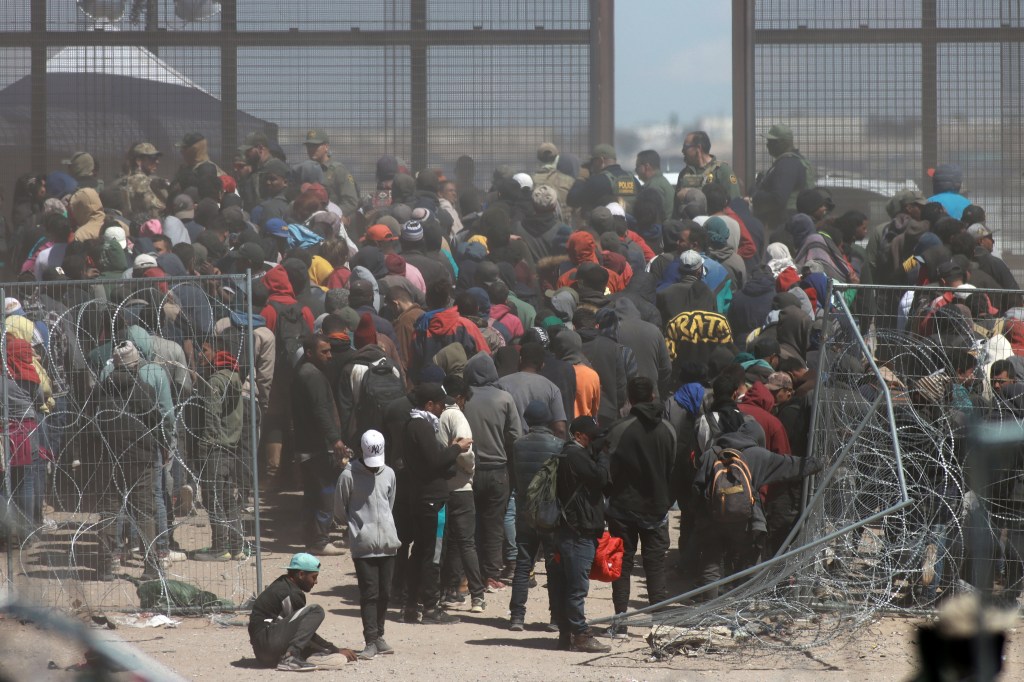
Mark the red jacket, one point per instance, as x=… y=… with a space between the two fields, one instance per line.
x=276 y=281
x=758 y=403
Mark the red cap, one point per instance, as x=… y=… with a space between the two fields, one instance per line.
x=379 y=233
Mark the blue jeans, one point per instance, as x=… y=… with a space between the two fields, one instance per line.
x=510 y=550
x=159 y=494
x=569 y=582
x=529 y=543
x=28 y=485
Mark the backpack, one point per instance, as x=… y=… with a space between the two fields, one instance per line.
x=730 y=493
x=379 y=388
x=541 y=506
x=288 y=332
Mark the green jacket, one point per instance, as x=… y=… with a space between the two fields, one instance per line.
x=341 y=187
x=221 y=399
x=668 y=193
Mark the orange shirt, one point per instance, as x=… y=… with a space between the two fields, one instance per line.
x=588 y=392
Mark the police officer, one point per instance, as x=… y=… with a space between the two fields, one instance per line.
x=139 y=187
x=703 y=167
x=548 y=174
x=196 y=165
x=777 y=189
x=607 y=182
x=341 y=186
x=256 y=150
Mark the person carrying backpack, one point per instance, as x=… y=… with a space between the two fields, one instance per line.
x=582 y=476
x=729 y=474
x=290 y=321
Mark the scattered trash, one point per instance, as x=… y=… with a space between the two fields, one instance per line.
x=146 y=621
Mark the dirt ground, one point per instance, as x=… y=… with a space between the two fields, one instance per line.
x=479 y=648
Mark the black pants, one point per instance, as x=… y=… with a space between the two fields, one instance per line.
x=722 y=544
x=655 y=552
x=374 y=577
x=297 y=635
x=460 y=544
x=423 y=572
x=529 y=543
x=319 y=480
x=490 y=492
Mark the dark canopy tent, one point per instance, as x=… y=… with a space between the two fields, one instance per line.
x=105 y=114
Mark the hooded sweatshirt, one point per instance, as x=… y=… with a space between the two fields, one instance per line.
x=86 y=213
x=439 y=328
x=758 y=402
x=765 y=467
x=280 y=288
x=646 y=341
x=491 y=414
x=568 y=347
x=643 y=451
x=364 y=499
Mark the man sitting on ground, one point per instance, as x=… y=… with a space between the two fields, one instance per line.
x=282 y=627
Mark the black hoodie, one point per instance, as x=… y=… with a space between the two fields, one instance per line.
x=643 y=450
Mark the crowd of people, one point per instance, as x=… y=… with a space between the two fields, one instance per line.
x=422 y=350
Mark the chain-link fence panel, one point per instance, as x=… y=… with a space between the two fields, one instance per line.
x=129 y=439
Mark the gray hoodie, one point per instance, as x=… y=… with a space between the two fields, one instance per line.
x=364 y=500
x=647 y=342
x=491 y=414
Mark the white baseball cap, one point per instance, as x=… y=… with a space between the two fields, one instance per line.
x=524 y=180
x=373 y=449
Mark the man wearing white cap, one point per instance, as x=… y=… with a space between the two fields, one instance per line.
x=988 y=262
x=364 y=499
x=282 y=626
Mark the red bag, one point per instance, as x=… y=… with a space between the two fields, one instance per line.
x=607 y=565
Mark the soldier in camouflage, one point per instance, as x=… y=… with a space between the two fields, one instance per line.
x=139 y=187
x=256 y=151
x=341 y=186
x=702 y=167
x=196 y=164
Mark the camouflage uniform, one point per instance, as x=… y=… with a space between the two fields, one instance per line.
x=340 y=185
x=549 y=175
x=139 y=195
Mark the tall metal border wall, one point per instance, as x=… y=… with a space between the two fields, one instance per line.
x=424 y=80
x=879 y=92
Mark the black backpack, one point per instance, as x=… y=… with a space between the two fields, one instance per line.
x=379 y=388
x=288 y=332
x=730 y=492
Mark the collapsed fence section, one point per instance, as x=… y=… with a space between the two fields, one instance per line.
x=130 y=431
x=917 y=499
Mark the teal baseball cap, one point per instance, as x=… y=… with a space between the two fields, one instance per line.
x=304 y=562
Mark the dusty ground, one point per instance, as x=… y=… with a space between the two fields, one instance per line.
x=479 y=648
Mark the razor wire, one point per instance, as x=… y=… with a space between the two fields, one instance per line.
x=892 y=524
x=134 y=487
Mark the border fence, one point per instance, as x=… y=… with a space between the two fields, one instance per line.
x=919 y=496
x=878 y=93
x=124 y=463
x=424 y=80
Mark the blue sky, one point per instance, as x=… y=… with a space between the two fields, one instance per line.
x=672 y=56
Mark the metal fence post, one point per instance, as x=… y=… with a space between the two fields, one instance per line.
x=253 y=437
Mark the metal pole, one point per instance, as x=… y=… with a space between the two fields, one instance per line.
x=744 y=148
x=8 y=517
x=602 y=72
x=253 y=437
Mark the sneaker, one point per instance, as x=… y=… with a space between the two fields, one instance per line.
x=587 y=643
x=551 y=627
x=326 y=550
x=517 y=625
x=243 y=554
x=295 y=664
x=383 y=647
x=508 y=572
x=325 y=660
x=411 y=616
x=369 y=652
x=495 y=585
x=439 y=617
x=168 y=557
x=452 y=599
x=478 y=605
x=212 y=555
x=533 y=579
